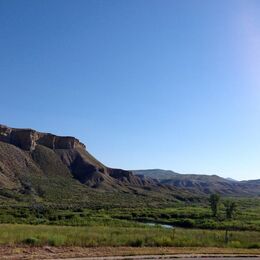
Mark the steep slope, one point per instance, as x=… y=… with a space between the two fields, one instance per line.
x=14 y=165
x=41 y=166
x=45 y=165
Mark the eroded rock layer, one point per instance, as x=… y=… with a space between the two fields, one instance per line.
x=53 y=155
x=27 y=139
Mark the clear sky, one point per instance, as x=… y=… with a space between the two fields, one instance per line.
x=143 y=83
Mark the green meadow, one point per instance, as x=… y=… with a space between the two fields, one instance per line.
x=39 y=235
x=193 y=225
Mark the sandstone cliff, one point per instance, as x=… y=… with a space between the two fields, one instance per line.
x=27 y=139
x=45 y=154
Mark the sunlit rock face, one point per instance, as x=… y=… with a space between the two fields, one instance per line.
x=58 y=156
x=27 y=139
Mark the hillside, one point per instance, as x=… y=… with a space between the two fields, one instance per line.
x=36 y=166
x=156 y=174
x=42 y=166
x=202 y=184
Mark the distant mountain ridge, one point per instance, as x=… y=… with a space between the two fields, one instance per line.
x=203 y=184
x=44 y=166
x=157 y=174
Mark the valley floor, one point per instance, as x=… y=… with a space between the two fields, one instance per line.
x=48 y=232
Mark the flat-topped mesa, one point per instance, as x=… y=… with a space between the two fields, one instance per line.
x=27 y=139
x=59 y=142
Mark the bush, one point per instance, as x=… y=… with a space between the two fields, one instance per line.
x=254 y=245
x=136 y=243
x=31 y=241
x=186 y=223
x=235 y=244
x=208 y=224
x=163 y=241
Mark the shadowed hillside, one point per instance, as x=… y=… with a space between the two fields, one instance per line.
x=45 y=167
x=42 y=165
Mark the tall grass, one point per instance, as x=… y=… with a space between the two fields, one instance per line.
x=12 y=234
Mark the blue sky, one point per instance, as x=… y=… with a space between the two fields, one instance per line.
x=143 y=83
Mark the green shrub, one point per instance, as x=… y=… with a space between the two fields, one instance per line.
x=235 y=244
x=208 y=224
x=186 y=223
x=31 y=241
x=254 y=245
x=136 y=243
x=163 y=241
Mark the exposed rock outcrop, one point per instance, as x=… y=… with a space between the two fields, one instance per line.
x=52 y=153
x=27 y=139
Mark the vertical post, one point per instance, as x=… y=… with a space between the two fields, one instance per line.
x=226 y=236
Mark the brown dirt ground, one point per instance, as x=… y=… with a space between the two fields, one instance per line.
x=47 y=252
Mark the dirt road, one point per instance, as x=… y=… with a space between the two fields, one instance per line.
x=108 y=253
x=157 y=257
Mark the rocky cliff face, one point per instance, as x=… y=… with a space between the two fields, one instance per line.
x=27 y=139
x=62 y=156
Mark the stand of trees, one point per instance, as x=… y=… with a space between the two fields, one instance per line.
x=229 y=208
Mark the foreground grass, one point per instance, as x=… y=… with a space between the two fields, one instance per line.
x=91 y=236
